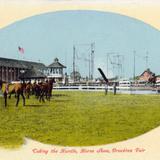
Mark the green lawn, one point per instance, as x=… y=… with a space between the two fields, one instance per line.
x=79 y=119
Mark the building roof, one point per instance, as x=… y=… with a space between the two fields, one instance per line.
x=148 y=71
x=6 y=62
x=11 y=63
x=56 y=64
x=32 y=74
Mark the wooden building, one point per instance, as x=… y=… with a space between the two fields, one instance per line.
x=32 y=74
x=146 y=75
x=10 y=69
x=55 y=70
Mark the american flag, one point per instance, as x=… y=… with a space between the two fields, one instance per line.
x=21 y=50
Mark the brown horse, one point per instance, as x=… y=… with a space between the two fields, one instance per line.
x=44 y=89
x=17 y=88
x=28 y=90
x=36 y=89
x=48 y=86
x=41 y=90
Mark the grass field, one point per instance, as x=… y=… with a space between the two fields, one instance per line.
x=79 y=119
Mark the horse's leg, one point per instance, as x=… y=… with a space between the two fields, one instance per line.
x=51 y=92
x=27 y=94
x=40 y=96
x=18 y=94
x=32 y=91
x=23 y=99
x=9 y=96
x=49 y=96
x=38 y=93
x=46 y=95
x=43 y=97
x=5 y=99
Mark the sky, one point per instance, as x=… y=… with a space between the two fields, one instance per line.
x=15 y=10
x=110 y=1
x=51 y=35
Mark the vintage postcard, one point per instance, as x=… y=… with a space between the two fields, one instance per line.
x=79 y=80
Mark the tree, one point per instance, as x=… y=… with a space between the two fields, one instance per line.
x=152 y=79
x=76 y=76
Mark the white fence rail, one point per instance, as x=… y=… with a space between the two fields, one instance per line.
x=123 y=90
x=98 y=88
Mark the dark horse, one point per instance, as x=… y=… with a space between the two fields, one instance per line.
x=49 y=87
x=17 y=88
x=28 y=89
x=44 y=90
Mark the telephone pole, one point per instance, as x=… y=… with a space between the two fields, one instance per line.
x=146 y=59
x=109 y=59
x=134 y=65
x=118 y=63
x=92 y=60
x=88 y=57
x=74 y=58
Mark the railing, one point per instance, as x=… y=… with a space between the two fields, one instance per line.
x=80 y=87
x=124 y=90
x=94 y=88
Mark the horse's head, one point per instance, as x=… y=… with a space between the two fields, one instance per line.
x=51 y=81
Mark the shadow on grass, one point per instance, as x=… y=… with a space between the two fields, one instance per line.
x=61 y=100
x=36 y=105
x=59 y=95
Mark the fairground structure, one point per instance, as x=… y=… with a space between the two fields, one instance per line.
x=13 y=69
